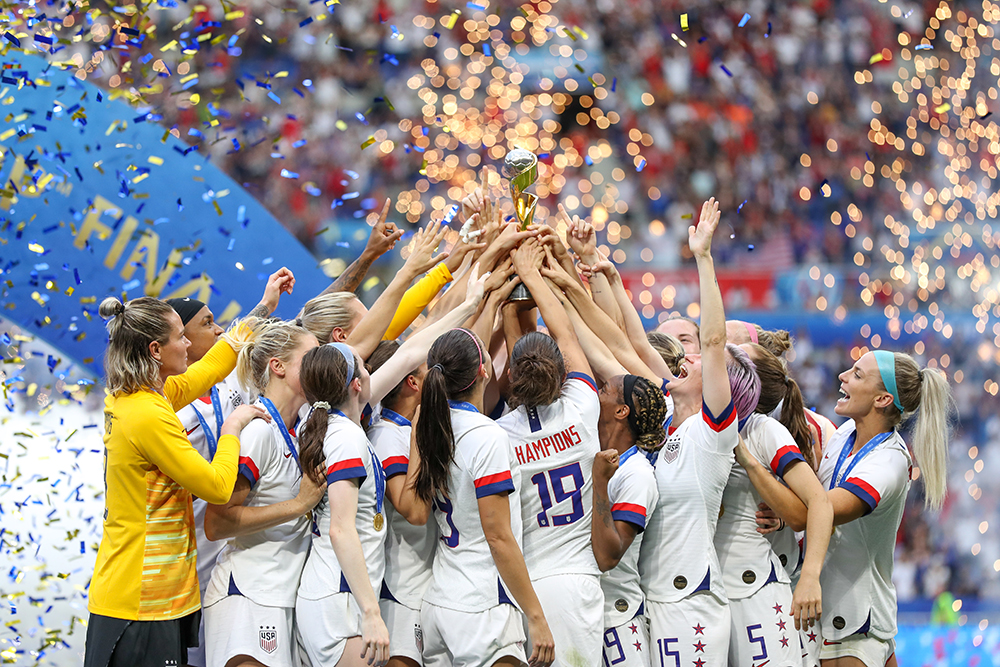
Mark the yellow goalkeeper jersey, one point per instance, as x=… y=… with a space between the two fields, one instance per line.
x=145 y=567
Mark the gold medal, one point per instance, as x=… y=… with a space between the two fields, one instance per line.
x=379 y=521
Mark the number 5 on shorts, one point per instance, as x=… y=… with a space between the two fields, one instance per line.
x=757 y=640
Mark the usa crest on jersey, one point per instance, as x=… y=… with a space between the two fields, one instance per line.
x=672 y=448
x=268 y=639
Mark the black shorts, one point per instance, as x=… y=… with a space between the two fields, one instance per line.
x=114 y=642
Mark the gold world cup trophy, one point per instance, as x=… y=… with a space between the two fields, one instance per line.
x=520 y=167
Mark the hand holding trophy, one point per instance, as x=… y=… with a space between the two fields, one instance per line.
x=521 y=169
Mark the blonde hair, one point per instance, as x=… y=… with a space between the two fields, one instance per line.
x=669 y=348
x=326 y=312
x=275 y=339
x=128 y=365
x=928 y=391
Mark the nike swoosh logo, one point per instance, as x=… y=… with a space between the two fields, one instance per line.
x=827 y=643
x=762 y=664
x=193 y=429
x=288 y=455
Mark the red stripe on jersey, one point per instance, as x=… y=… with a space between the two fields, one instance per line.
x=248 y=462
x=493 y=479
x=395 y=460
x=787 y=449
x=628 y=507
x=346 y=463
x=865 y=486
x=205 y=399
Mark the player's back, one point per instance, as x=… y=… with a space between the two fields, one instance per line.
x=554 y=446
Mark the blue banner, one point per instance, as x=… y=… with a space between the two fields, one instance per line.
x=97 y=199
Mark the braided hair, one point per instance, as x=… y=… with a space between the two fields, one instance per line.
x=647 y=408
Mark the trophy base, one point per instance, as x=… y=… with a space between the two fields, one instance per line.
x=520 y=293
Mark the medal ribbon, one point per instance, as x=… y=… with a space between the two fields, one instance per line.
x=212 y=438
x=276 y=416
x=628 y=453
x=846 y=451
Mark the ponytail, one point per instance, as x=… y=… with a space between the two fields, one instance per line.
x=323 y=376
x=311 y=439
x=435 y=438
x=925 y=392
x=793 y=418
x=930 y=435
x=453 y=364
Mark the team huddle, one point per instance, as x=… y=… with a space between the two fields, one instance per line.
x=491 y=491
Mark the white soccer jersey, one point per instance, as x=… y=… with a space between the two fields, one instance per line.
x=555 y=446
x=633 y=495
x=746 y=557
x=349 y=456
x=265 y=566
x=409 y=549
x=465 y=577
x=858 y=595
x=678 y=556
x=669 y=417
x=194 y=418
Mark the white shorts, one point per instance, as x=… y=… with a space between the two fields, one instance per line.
x=574 y=609
x=406 y=638
x=762 y=628
x=811 y=641
x=627 y=645
x=325 y=625
x=870 y=650
x=692 y=630
x=236 y=625
x=471 y=639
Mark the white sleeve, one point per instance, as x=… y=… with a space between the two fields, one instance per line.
x=881 y=474
x=717 y=434
x=633 y=494
x=774 y=446
x=344 y=456
x=391 y=448
x=256 y=450
x=490 y=462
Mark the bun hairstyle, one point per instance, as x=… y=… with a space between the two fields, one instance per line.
x=647 y=409
x=326 y=312
x=323 y=377
x=453 y=364
x=274 y=339
x=776 y=342
x=927 y=393
x=537 y=371
x=383 y=352
x=128 y=365
x=669 y=348
x=776 y=387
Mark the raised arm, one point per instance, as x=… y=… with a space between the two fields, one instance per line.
x=630 y=317
x=527 y=262
x=610 y=538
x=715 y=378
x=414 y=350
x=367 y=334
x=601 y=361
x=599 y=322
x=582 y=238
x=382 y=239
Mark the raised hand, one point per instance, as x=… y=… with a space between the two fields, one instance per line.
x=280 y=282
x=581 y=235
x=500 y=275
x=425 y=242
x=700 y=235
x=528 y=257
x=554 y=271
x=477 y=286
x=383 y=236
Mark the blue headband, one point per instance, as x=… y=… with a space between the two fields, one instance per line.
x=887 y=369
x=348 y=354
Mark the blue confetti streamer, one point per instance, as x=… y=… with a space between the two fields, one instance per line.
x=274 y=97
x=641 y=165
x=726 y=70
x=923 y=47
x=744 y=20
x=740 y=208
x=288 y=174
